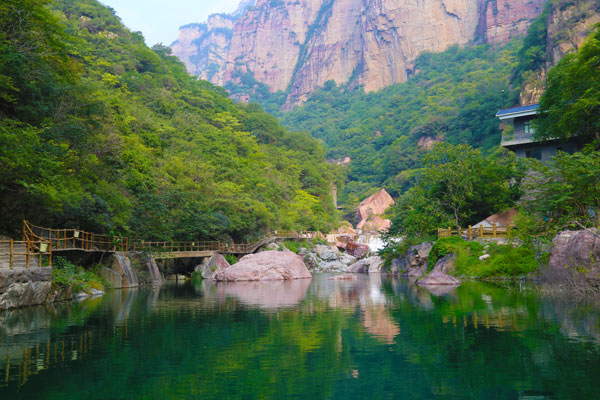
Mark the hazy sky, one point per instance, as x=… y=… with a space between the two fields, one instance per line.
x=158 y=20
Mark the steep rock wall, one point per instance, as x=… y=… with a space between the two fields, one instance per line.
x=298 y=45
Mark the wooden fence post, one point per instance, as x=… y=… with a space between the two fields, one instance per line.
x=481 y=231
x=10 y=262
x=470 y=233
x=494 y=230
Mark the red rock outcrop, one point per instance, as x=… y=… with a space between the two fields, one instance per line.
x=369 y=212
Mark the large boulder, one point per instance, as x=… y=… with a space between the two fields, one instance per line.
x=357 y=250
x=416 y=258
x=212 y=265
x=438 y=278
x=268 y=265
x=326 y=253
x=399 y=266
x=445 y=264
x=20 y=287
x=372 y=207
x=439 y=274
x=310 y=259
x=575 y=255
x=368 y=265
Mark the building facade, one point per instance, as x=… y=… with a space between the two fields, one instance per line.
x=518 y=135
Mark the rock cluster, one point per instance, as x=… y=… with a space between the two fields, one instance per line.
x=415 y=263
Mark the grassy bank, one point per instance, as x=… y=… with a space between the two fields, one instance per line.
x=507 y=260
x=68 y=275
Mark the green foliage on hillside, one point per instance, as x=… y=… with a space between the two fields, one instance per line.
x=453 y=96
x=570 y=105
x=100 y=132
x=458 y=186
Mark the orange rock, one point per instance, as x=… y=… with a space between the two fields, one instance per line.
x=369 y=211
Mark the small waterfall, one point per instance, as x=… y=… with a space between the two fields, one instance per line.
x=124 y=268
x=154 y=271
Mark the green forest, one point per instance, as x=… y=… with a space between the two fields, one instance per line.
x=102 y=133
x=452 y=97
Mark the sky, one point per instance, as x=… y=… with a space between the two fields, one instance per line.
x=159 y=20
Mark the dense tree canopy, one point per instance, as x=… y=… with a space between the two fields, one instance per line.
x=100 y=132
x=570 y=105
x=453 y=97
x=457 y=186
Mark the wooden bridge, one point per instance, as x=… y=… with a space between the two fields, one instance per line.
x=39 y=244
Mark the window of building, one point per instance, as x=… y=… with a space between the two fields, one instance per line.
x=528 y=128
x=536 y=153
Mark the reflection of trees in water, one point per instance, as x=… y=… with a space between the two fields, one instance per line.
x=233 y=342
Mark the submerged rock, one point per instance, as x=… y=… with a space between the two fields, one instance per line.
x=350 y=277
x=268 y=265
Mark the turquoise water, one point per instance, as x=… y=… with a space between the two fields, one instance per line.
x=374 y=338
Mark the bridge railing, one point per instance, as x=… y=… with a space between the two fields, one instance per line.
x=74 y=239
x=24 y=253
x=77 y=239
x=173 y=247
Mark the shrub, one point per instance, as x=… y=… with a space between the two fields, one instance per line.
x=68 y=275
x=196 y=277
x=231 y=259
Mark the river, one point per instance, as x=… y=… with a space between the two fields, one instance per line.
x=372 y=338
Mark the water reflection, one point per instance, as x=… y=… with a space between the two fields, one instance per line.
x=318 y=338
x=263 y=294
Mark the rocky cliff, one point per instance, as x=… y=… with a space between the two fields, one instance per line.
x=567 y=27
x=297 y=45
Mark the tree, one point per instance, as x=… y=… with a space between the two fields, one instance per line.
x=565 y=192
x=457 y=185
x=570 y=105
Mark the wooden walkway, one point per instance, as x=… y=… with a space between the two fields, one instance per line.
x=39 y=244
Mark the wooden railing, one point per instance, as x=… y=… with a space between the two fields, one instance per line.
x=75 y=239
x=26 y=252
x=479 y=232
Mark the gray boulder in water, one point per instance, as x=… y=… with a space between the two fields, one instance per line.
x=264 y=266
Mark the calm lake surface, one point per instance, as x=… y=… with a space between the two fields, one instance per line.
x=374 y=338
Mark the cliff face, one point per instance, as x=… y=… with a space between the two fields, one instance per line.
x=566 y=30
x=298 y=45
x=203 y=47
